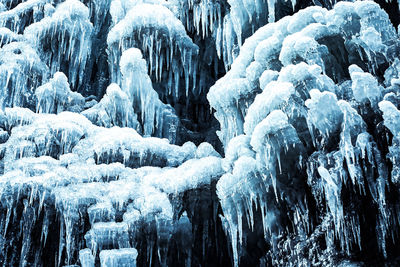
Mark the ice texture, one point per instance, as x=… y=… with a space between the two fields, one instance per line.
x=158 y=119
x=70 y=29
x=120 y=257
x=21 y=72
x=199 y=133
x=114 y=109
x=148 y=27
x=296 y=111
x=123 y=176
x=56 y=96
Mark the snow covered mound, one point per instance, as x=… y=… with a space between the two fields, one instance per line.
x=199 y=133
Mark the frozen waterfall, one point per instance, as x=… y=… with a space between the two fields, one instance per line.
x=199 y=133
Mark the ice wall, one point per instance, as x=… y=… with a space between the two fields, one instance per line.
x=109 y=117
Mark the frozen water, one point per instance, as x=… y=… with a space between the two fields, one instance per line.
x=21 y=72
x=56 y=96
x=157 y=118
x=71 y=27
x=109 y=154
x=114 y=109
x=164 y=34
x=118 y=257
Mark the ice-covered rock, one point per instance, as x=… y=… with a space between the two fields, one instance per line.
x=118 y=257
x=308 y=106
x=114 y=109
x=150 y=26
x=7 y=36
x=56 y=96
x=64 y=40
x=191 y=174
x=21 y=72
x=157 y=118
x=17 y=18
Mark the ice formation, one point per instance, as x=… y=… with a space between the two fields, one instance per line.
x=303 y=96
x=64 y=39
x=163 y=39
x=56 y=96
x=199 y=133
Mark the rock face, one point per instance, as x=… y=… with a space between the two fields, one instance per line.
x=199 y=133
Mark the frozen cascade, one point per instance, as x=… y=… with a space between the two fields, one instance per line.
x=21 y=70
x=60 y=180
x=331 y=111
x=19 y=17
x=70 y=30
x=109 y=153
x=56 y=96
x=157 y=118
x=162 y=38
x=114 y=109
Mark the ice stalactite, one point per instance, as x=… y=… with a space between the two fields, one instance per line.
x=63 y=40
x=16 y=19
x=96 y=97
x=7 y=36
x=21 y=71
x=163 y=41
x=107 y=204
x=114 y=109
x=97 y=12
x=56 y=96
x=390 y=116
x=276 y=40
x=158 y=119
x=322 y=115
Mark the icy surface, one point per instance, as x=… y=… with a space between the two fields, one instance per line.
x=199 y=133
x=69 y=25
x=56 y=96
